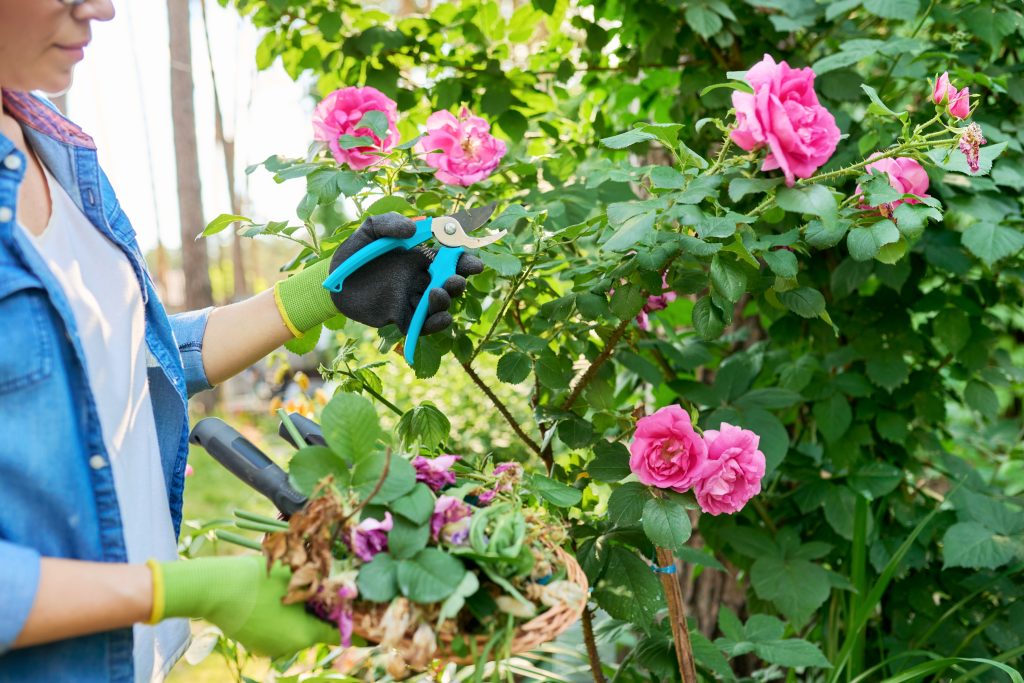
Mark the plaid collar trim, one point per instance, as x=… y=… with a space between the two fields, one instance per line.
x=32 y=112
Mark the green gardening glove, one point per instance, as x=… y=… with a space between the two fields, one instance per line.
x=237 y=595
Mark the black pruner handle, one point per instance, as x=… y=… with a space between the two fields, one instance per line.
x=309 y=431
x=248 y=463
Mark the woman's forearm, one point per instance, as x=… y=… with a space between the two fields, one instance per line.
x=238 y=335
x=77 y=598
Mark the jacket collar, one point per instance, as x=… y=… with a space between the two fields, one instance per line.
x=31 y=111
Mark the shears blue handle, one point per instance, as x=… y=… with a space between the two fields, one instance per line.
x=378 y=247
x=442 y=268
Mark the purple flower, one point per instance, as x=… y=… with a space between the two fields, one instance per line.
x=333 y=603
x=450 y=522
x=370 y=537
x=486 y=498
x=656 y=302
x=435 y=472
x=970 y=144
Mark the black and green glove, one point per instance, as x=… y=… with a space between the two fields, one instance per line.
x=382 y=292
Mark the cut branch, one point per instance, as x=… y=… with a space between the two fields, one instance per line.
x=588 y=639
x=591 y=371
x=677 y=617
x=503 y=409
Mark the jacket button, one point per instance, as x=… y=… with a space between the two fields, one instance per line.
x=97 y=462
x=6 y=215
x=12 y=162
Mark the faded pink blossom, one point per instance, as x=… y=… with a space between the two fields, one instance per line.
x=940 y=91
x=732 y=473
x=370 y=537
x=486 y=498
x=783 y=113
x=959 y=103
x=666 y=452
x=334 y=604
x=970 y=144
x=341 y=111
x=508 y=475
x=450 y=521
x=656 y=302
x=469 y=153
x=906 y=176
x=435 y=472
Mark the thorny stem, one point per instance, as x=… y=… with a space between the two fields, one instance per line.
x=883 y=155
x=503 y=409
x=504 y=306
x=605 y=354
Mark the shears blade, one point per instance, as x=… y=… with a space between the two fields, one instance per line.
x=471 y=219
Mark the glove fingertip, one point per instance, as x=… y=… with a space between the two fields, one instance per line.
x=469 y=265
x=436 y=323
x=393 y=225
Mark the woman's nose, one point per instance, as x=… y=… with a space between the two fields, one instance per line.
x=94 y=10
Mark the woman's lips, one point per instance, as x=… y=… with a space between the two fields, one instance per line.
x=75 y=51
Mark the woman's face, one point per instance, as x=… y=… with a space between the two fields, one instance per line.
x=42 y=40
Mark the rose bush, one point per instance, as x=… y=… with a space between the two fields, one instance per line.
x=876 y=357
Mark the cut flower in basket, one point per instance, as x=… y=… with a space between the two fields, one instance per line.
x=433 y=559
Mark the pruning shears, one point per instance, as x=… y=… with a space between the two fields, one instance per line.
x=450 y=233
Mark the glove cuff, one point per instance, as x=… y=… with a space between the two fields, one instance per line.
x=156 y=614
x=185 y=588
x=302 y=299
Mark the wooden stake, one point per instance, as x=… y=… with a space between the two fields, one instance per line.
x=677 y=617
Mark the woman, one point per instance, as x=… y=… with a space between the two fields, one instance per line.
x=94 y=379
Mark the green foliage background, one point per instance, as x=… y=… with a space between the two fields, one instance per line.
x=880 y=364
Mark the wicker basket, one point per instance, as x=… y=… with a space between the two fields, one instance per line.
x=541 y=629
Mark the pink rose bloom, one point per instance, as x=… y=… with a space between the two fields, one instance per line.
x=450 y=521
x=733 y=471
x=435 y=472
x=370 y=537
x=905 y=176
x=654 y=303
x=340 y=112
x=665 y=451
x=783 y=113
x=940 y=91
x=469 y=153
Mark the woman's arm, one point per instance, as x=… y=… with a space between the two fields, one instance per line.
x=77 y=598
x=239 y=334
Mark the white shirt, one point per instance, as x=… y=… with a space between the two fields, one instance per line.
x=103 y=291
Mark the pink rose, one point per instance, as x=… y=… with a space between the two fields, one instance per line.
x=370 y=537
x=665 y=451
x=733 y=471
x=905 y=176
x=783 y=113
x=435 y=472
x=959 y=103
x=656 y=302
x=189 y=471
x=450 y=521
x=940 y=91
x=340 y=112
x=469 y=153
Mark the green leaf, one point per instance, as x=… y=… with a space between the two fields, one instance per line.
x=707 y=321
x=840 y=505
x=824 y=236
x=377 y=579
x=407 y=538
x=792 y=652
x=575 y=432
x=505 y=265
x=514 y=124
x=702 y=20
x=610 y=463
x=221 y=222
x=627 y=139
x=628 y=589
x=390 y=203
x=833 y=417
x=368 y=469
x=893 y=9
x=782 y=262
x=627 y=301
x=955 y=161
x=991 y=242
x=984 y=509
x=556 y=493
x=877 y=105
x=865 y=243
x=953 y=327
x=877 y=188
x=431 y=576
x=975 y=546
x=417 y=506
x=876 y=479
x=514 y=367
x=354 y=141
x=350 y=426
x=306 y=343
x=667 y=178
x=816 y=200
x=982 y=398
x=797 y=587
x=424 y=424
x=728 y=278
x=454 y=603
x=741 y=187
x=804 y=301
x=311 y=464
x=634 y=227
x=626 y=504
x=666 y=523
x=377 y=121
x=769 y=398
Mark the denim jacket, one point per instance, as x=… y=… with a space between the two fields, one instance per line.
x=58 y=497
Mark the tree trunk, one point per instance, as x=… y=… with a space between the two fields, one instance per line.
x=194 y=259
